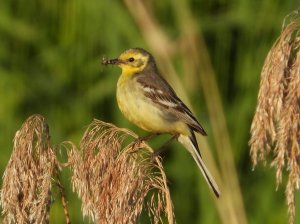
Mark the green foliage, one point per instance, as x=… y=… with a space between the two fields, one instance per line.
x=50 y=55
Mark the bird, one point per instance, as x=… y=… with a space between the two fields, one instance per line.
x=146 y=99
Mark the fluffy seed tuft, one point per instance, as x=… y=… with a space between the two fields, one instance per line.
x=26 y=189
x=276 y=123
x=113 y=179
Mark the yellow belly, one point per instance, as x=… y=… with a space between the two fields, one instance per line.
x=141 y=111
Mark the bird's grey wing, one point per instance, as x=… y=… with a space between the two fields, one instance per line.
x=160 y=92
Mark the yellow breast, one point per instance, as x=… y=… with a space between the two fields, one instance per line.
x=141 y=111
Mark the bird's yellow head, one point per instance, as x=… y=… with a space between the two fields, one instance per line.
x=131 y=61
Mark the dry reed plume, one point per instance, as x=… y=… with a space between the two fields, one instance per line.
x=113 y=181
x=26 y=190
x=276 y=123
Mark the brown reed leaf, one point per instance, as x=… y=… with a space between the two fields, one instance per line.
x=276 y=123
x=26 y=189
x=113 y=181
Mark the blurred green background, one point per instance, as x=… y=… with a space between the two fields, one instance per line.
x=50 y=53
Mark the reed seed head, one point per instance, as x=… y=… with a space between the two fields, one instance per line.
x=113 y=179
x=276 y=123
x=26 y=189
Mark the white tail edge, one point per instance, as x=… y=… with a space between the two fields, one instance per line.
x=188 y=144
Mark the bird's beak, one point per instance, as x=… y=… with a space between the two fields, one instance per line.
x=115 y=61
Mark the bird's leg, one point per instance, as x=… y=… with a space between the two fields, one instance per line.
x=138 y=141
x=147 y=137
x=163 y=147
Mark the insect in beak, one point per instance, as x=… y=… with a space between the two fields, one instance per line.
x=115 y=61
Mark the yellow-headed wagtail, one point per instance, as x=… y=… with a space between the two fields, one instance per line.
x=147 y=100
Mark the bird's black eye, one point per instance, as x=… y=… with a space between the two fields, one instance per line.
x=131 y=59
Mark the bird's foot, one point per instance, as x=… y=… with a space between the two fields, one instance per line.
x=163 y=148
x=138 y=141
